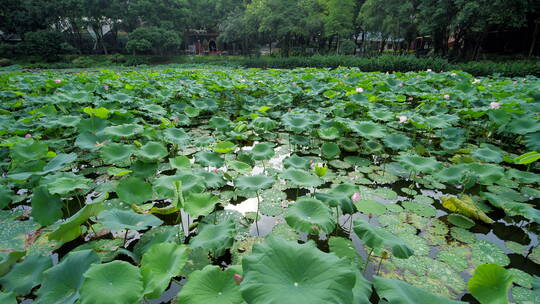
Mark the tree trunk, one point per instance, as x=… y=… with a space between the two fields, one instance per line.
x=533 y=42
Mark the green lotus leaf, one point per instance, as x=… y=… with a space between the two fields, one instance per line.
x=71 y=228
x=159 y=264
x=165 y=187
x=114 y=153
x=521 y=278
x=532 y=141
x=311 y=216
x=115 y=219
x=5 y=197
x=301 y=178
x=330 y=150
x=397 y=141
x=344 y=249
x=219 y=123
x=116 y=282
x=59 y=162
x=175 y=136
x=161 y=234
x=490 y=284
x=348 y=145
x=209 y=159
x=254 y=182
x=384 y=115
x=524 y=125
x=191 y=183
x=372 y=146
x=68 y=121
x=264 y=123
x=296 y=162
x=399 y=292
x=279 y=271
x=91 y=141
x=527 y=158
x=461 y=221
x=191 y=111
x=29 y=150
x=65 y=184
x=418 y=163
x=484 y=252
x=335 y=198
x=368 y=129
x=376 y=237
x=211 y=285
x=180 y=162
x=262 y=151
x=465 y=206
x=240 y=167
x=370 y=207
x=513 y=208
x=134 y=190
x=328 y=133
x=215 y=238
x=8 y=298
x=26 y=275
x=454 y=174
x=197 y=204
x=420 y=209
x=152 y=151
x=126 y=130
x=212 y=179
x=297 y=123
x=46 y=208
x=224 y=147
x=488 y=155
x=524 y=176
x=61 y=282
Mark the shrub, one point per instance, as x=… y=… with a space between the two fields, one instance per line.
x=136 y=60
x=347 y=47
x=4 y=62
x=83 y=62
x=47 y=44
x=153 y=39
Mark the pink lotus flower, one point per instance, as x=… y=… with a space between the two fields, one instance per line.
x=238 y=278
x=359 y=90
x=57 y=80
x=410 y=98
x=355 y=197
x=403 y=119
x=106 y=87
x=446 y=96
x=176 y=119
x=495 y=105
x=28 y=136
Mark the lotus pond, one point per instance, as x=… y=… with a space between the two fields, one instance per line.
x=225 y=186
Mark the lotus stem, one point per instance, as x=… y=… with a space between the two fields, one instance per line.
x=367 y=259
x=125 y=238
x=257 y=214
x=91 y=227
x=380 y=263
x=337 y=216
x=79 y=201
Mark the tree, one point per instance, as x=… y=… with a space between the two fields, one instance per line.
x=339 y=19
x=153 y=39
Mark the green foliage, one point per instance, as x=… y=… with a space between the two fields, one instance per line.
x=153 y=39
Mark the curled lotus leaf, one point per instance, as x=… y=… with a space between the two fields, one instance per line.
x=465 y=206
x=376 y=237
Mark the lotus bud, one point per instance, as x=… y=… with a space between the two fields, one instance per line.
x=28 y=135
x=57 y=80
x=403 y=119
x=355 y=197
x=495 y=105
x=238 y=278
x=446 y=96
x=384 y=255
x=321 y=169
x=359 y=90
x=175 y=119
x=106 y=87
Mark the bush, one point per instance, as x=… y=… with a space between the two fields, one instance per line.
x=153 y=39
x=9 y=50
x=83 y=62
x=117 y=58
x=347 y=47
x=136 y=60
x=4 y=62
x=47 y=44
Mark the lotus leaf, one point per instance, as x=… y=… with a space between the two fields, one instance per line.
x=301 y=178
x=254 y=183
x=46 y=208
x=71 y=228
x=418 y=163
x=211 y=285
x=66 y=184
x=376 y=237
x=490 y=284
x=370 y=207
x=399 y=292
x=311 y=216
x=368 y=129
x=465 y=206
x=152 y=151
x=115 y=219
x=116 y=282
x=134 y=190
x=330 y=150
x=160 y=263
x=224 y=147
x=460 y=221
x=279 y=271
x=161 y=234
x=127 y=130
x=328 y=133
x=114 y=153
x=296 y=162
x=209 y=159
x=26 y=275
x=397 y=141
x=61 y=282
x=215 y=238
x=175 y=136
x=524 y=125
x=197 y=204
x=262 y=151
